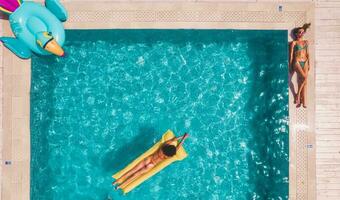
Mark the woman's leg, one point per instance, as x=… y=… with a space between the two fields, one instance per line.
x=291 y=86
x=142 y=171
x=301 y=91
x=139 y=166
x=304 y=89
x=300 y=76
x=303 y=95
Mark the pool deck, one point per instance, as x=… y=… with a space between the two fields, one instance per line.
x=327 y=99
x=314 y=132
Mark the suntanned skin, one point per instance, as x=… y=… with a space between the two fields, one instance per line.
x=295 y=58
x=147 y=164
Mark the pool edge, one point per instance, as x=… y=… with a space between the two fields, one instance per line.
x=15 y=177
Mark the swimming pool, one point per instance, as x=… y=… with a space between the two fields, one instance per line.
x=118 y=91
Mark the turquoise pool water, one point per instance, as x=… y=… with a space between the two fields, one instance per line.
x=118 y=91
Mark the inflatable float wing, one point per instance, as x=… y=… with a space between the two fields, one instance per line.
x=36 y=28
x=180 y=155
x=9 y=6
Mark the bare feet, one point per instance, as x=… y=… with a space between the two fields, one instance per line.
x=304 y=106
x=298 y=105
x=295 y=99
x=298 y=100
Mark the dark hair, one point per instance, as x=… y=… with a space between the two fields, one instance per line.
x=169 y=150
x=304 y=27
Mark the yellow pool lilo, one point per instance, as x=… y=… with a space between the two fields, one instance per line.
x=151 y=162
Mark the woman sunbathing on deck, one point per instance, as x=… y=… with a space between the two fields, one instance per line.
x=299 y=62
x=168 y=149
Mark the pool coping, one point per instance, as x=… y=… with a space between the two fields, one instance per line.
x=15 y=180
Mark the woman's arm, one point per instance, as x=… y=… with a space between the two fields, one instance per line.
x=291 y=52
x=307 y=54
x=176 y=139
x=185 y=136
x=171 y=140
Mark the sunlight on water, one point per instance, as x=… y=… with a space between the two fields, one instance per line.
x=118 y=91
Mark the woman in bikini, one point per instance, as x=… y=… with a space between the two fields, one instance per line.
x=168 y=149
x=299 y=62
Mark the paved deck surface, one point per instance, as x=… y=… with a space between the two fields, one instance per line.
x=14 y=125
x=327 y=98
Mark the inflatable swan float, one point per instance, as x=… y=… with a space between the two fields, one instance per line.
x=36 y=28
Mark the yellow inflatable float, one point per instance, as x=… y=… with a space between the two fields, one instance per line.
x=180 y=155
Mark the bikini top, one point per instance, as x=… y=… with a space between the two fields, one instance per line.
x=298 y=47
